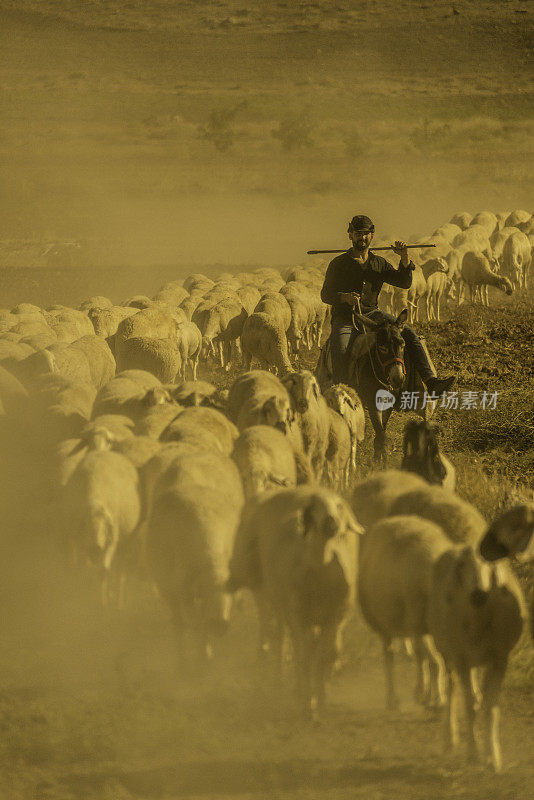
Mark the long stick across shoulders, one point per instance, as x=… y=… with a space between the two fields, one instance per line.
x=389 y=247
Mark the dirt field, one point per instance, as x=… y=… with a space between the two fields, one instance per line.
x=159 y=135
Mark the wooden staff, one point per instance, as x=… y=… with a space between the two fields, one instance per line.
x=389 y=247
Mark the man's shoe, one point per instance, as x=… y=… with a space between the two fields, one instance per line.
x=440 y=385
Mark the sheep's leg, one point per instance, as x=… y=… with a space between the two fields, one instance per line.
x=491 y=713
x=450 y=719
x=429 y=688
x=302 y=650
x=464 y=674
x=327 y=652
x=422 y=685
x=319 y=332
x=247 y=360
x=194 y=366
x=353 y=452
x=392 y=700
x=475 y=686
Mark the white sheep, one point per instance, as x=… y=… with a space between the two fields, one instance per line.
x=101 y=510
x=338 y=452
x=460 y=520
x=311 y=411
x=276 y=306
x=373 y=497
x=207 y=421
x=462 y=219
x=264 y=340
x=259 y=398
x=395 y=571
x=121 y=390
x=516 y=217
x=296 y=549
x=478 y=275
x=516 y=259
x=194 y=516
x=438 y=287
x=189 y=347
x=345 y=401
x=265 y=459
x=475 y=615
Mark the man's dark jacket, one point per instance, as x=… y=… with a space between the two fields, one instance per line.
x=344 y=274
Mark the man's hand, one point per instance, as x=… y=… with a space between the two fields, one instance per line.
x=401 y=250
x=349 y=297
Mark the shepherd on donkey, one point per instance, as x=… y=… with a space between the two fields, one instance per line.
x=351 y=287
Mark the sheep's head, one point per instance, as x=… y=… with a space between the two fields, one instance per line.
x=277 y=413
x=339 y=399
x=99 y=438
x=303 y=389
x=505 y=285
x=157 y=396
x=511 y=534
x=421 y=452
x=326 y=523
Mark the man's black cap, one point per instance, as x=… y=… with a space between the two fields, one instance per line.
x=361 y=223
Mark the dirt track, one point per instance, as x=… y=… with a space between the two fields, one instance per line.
x=132 y=729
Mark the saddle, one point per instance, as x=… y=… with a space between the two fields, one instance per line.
x=359 y=347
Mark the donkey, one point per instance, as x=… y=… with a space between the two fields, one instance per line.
x=380 y=367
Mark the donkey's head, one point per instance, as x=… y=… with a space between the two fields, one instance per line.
x=389 y=348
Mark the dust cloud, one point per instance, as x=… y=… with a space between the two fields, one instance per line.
x=141 y=141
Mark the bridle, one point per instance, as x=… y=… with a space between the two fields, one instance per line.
x=374 y=349
x=393 y=360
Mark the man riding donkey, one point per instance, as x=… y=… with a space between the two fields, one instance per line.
x=351 y=287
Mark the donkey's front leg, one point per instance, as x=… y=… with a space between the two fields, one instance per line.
x=379 y=444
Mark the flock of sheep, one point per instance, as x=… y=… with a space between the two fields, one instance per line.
x=471 y=252
x=206 y=492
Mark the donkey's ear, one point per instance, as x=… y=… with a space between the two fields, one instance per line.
x=369 y=323
x=403 y=316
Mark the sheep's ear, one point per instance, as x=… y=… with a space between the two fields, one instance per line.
x=403 y=316
x=349 y=401
x=354 y=526
x=315 y=389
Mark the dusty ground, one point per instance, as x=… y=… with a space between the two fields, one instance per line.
x=171 y=134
